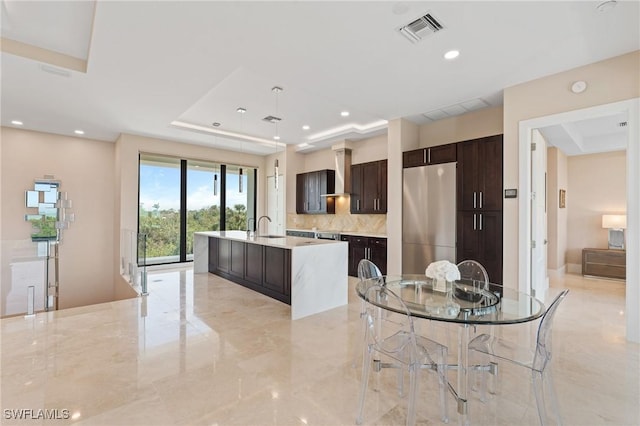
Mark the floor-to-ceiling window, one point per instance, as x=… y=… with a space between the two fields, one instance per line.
x=159 y=207
x=178 y=197
x=203 y=199
x=240 y=197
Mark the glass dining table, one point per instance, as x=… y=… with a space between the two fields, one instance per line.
x=466 y=303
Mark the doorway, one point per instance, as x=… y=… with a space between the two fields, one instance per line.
x=631 y=108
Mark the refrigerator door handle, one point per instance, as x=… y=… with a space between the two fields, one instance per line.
x=474 y=221
x=424 y=156
x=481 y=221
x=429 y=156
x=474 y=199
x=480 y=199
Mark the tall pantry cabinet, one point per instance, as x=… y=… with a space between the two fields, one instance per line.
x=479 y=203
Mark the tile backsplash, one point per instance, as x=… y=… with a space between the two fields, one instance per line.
x=342 y=220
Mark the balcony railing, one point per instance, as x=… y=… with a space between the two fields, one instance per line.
x=29 y=277
x=133 y=259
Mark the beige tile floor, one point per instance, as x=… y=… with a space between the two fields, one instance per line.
x=202 y=350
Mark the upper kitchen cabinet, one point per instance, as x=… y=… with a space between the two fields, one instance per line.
x=427 y=156
x=479 y=174
x=369 y=188
x=309 y=188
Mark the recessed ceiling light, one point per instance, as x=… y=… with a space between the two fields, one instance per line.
x=579 y=86
x=215 y=124
x=17 y=122
x=452 y=54
x=79 y=132
x=277 y=138
x=344 y=113
x=606 y=6
x=241 y=110
x=305 y=127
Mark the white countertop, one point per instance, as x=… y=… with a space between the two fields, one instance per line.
x=282 y=242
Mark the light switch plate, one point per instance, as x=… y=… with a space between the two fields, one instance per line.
x=511 y=193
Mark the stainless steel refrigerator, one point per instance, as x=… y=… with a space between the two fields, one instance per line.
x=428 y=216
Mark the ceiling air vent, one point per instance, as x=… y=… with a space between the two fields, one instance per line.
x=420 y=28
x=271 y=119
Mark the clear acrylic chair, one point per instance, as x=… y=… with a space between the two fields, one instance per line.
x=471 y=270
x=393 y=337
x=366 y=270
x=538 y=362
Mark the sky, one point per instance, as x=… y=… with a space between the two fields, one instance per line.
x=161 y=185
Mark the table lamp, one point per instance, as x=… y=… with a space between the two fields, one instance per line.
x=616 y=224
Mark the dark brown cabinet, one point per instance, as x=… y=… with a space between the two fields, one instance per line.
x=277 y=267
x=369 y=188
x=309 y=190
x=479 y=204
x=480 y=238
x=264 y=269
x=479 y=175
x=432 y=155
x=253 y=267
x=371 y=248
x=237 y=259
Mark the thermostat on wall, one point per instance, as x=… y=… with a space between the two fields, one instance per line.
x=511 y=193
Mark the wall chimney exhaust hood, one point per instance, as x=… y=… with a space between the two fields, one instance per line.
x=343 y=172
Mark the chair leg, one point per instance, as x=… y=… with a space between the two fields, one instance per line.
x=551 y=391
x=366 y=368
x=359 y=344
x=543 y=386
x=443 y=384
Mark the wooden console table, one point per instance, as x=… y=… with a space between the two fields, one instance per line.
x=604 y=263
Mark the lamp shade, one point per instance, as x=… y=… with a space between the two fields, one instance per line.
x=614 y=221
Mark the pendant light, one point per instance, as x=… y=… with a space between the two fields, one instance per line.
x=276 y=90
x=242 y=111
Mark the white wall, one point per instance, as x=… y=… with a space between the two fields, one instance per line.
x=597 y=186
x=85 y=170
x=609 y=81
x=557 y=178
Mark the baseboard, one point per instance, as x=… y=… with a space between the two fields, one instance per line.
x=574 y=268
x=557 y=273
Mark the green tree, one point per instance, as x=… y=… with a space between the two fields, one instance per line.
x=237 y=218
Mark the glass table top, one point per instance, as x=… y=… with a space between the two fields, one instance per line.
x=463 y=301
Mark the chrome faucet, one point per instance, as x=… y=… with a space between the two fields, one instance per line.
x=259 y=219
x=250 y=231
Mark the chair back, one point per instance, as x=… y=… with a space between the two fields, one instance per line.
x=367 y=269
x=471 y=270
x=392 y=334
x=543 y=341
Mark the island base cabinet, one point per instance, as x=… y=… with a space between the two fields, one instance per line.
x=277 y=264
x=237 y=259
x=254 y=266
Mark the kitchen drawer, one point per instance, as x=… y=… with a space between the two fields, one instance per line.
x=378 y=242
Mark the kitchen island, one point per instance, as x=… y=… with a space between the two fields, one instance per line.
x=306 y=273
